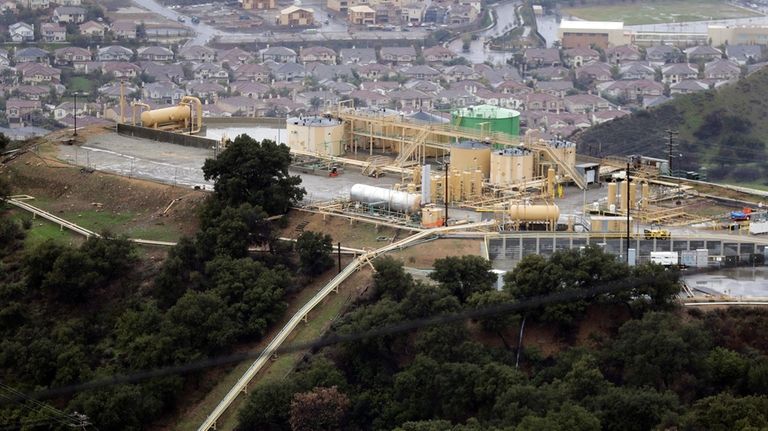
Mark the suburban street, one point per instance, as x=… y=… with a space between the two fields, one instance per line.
x=505 y=21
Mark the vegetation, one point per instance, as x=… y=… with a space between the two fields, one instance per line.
x=656 y=367
x=72 y=314
x=720 y=130
x=654 y=12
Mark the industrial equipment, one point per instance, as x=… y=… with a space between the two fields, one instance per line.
x=392 y=200
x=186 y=117
x=657 y=234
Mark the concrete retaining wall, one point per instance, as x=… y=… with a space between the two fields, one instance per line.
x=163 y=136
x=276 y=122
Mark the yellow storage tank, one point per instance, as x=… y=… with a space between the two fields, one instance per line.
x=317 y=135
x=432 y=216
x=170 y=115
x=511 y=166
x=471 y=155
x=532 y=213
x=611 y=194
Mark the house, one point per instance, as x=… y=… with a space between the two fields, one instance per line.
x=369 y=98
x=677 y=72
x=622 y=53
x=207 y=91
x=68 y=108
x=93 y=29
x=166 y=92
x=234 y=56
x=70 y=55
x=53 y=32
x=357 y=56
x=8 y=6
x=290 y=72
x=124 y=29
x=438 y=54
x=21 y=32
x=577 y=57
x=659 y=55
x=113 y=91
x=387 y=13
x=637 y=70
x=296 y=16
x=252 y=72
x=459 y=72
x=361 y=15
x=33 y=92
x=543 y=102
x=688 y=87
x=163 y=71
x=254 y=90
x=340 y=87
x=32 y=54
x=722 y=69
x=18 y=110
x=537 y=57
x=461 y=14
x=455 y=97
x=600 y=117
x=410 y=100
x=37 y=73
x=317 y=53
x=582 y=103
x=495 y=98
x=69 y=14
x=412 y=13
x=278 y=54
x=114 y=53
x=197 y=53
x=240 y=106
x=631 y=90
x=155 y=53
x=120 y=69
x=398 y=55
x=36 y=4
x=513 y=87
x=211 y=71
x=374 y=71
x=555 y=88
x=702 y=53
x=421 y=72
x=69 y=2
x=595 y=71
x=744 y=54
x=423 y=85
x=554 y=73
x=258 y=4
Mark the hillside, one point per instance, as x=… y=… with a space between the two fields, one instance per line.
x=720 y=130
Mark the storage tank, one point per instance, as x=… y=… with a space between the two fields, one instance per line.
x=528 y=213
x=511 y=166
x=471 y=155
x=170 y=115
x=432 y=216
x=488 y=118
x=612 y=195
x=646 y=196
x=318 y=135
x=390 y=199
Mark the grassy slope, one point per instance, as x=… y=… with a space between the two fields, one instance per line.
x=633 y=13
x=643 y=132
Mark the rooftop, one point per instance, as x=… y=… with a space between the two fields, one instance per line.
x=591 y=25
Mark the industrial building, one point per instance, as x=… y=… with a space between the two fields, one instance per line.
x=585 y=34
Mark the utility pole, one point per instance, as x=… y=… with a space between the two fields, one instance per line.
x=629 y=193
x=445 y=190
x=75 y=115
x=338 y=253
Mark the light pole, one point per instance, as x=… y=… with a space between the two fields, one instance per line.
x=75 y=114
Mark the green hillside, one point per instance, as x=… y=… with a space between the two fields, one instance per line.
x=721 y=130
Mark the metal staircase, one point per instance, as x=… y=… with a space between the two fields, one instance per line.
x=569 y=170
x=374 y=165
x=411 y=147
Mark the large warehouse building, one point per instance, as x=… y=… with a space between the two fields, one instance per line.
x=585 y=34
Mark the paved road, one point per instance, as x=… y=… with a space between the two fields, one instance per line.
x=505 y=21
x=204 y=33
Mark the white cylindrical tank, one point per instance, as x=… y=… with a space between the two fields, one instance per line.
x=319 y=135
x=391 y=199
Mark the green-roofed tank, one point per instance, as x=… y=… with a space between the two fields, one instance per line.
x=487 y=118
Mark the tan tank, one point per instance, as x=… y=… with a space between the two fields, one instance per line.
x=528 y=213
x=160 y=117
x=471 y=155
x=432 y=216
x=646 y=195
x=623 y=195
x=551 y=182
x=612 y=194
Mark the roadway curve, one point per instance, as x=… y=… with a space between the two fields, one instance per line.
x=204 y=33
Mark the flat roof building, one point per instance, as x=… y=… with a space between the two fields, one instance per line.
x=585 y=34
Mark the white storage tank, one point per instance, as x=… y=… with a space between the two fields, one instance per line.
x=393 y=200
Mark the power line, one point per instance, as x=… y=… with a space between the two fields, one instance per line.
x=138 y=376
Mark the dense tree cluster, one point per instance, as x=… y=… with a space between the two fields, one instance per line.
x=658 y=368
x=72 y=314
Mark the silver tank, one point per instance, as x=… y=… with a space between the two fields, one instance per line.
x=391 y=199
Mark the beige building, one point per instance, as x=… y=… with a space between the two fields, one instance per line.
x=585 y=34
x=258 y=4
x=296 y=16
x=738 y=35
x=362 y=15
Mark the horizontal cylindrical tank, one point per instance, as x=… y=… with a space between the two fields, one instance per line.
x=471 y=155
x=172 y=114
x=534 y=212
x=391 y=199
